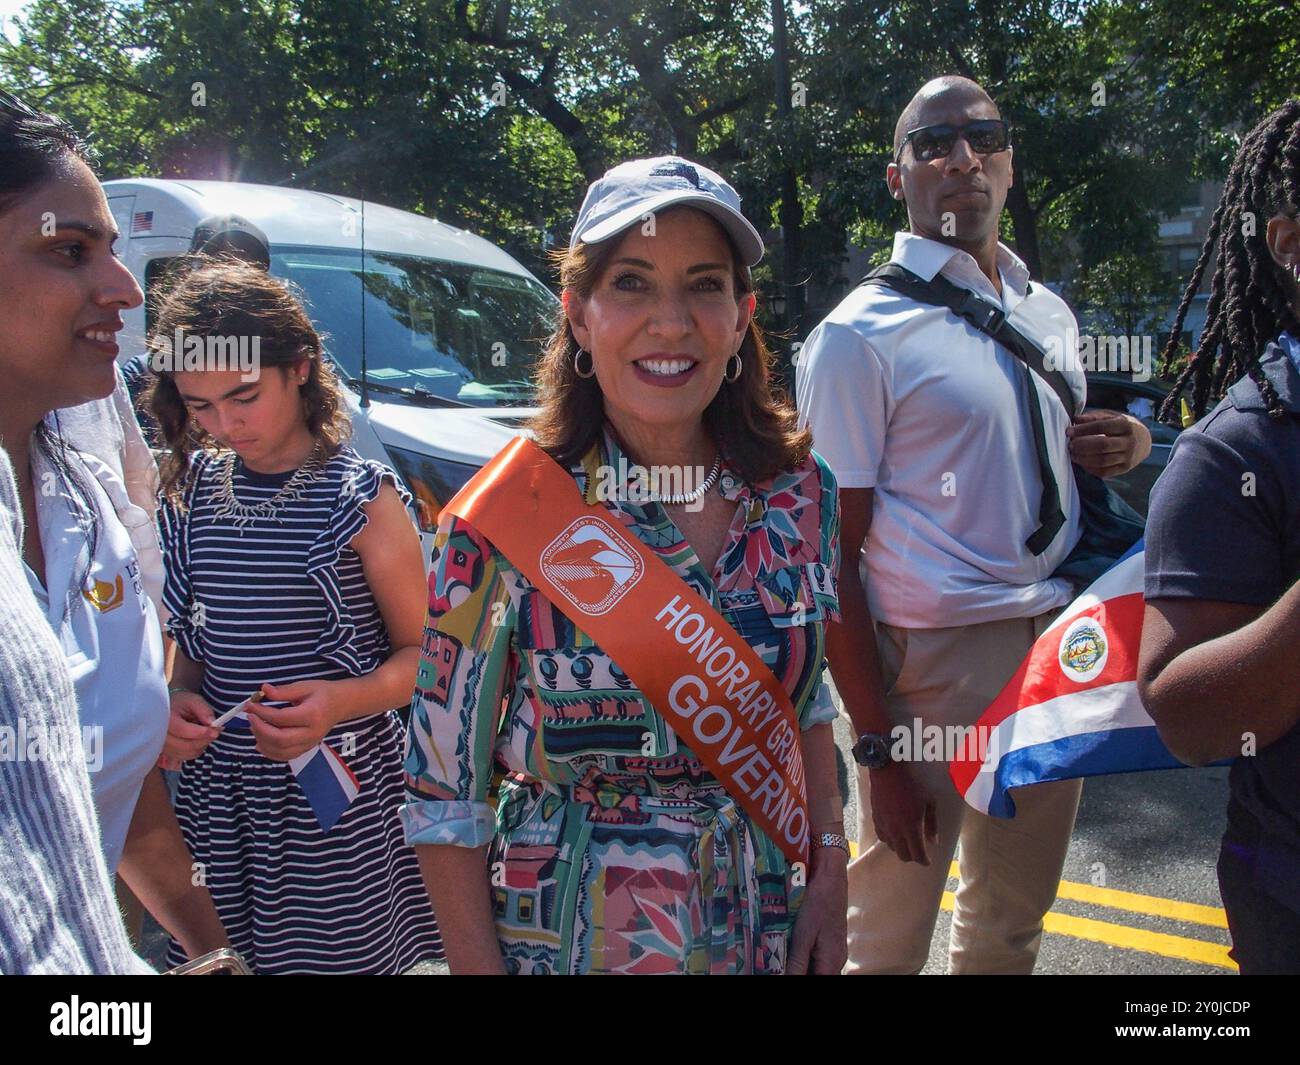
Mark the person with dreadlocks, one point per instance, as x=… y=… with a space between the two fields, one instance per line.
x=1218 y=669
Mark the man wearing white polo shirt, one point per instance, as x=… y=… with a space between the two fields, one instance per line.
x=961 y=500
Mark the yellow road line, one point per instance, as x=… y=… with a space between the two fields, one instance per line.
x=1150 y=905
x=1168 y=946
x=1118 y=935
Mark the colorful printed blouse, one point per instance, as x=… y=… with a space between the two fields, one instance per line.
x=491 y=636
x=508 y=683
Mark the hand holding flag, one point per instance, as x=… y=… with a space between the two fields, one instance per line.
x=295 y=733
x=305 y=716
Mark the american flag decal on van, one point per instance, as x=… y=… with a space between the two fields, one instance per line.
x=142 y=222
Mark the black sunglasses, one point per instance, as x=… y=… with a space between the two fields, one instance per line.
x=985 y=136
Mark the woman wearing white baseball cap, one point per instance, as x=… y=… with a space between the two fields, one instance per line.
x=627 y=616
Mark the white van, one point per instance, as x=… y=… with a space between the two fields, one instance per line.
x=449 y=325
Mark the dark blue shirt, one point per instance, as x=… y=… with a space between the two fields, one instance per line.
x=138 y=376
x=1224 y=525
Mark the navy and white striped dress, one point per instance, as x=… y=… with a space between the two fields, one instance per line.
x=278 y=600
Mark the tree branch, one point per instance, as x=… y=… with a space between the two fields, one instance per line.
x=698 y=28
x=959 y=61
x=1055 y=192
x=498 y=38
x=567 y=124
x=99 y=79
x=707 y=114
x=648 y=64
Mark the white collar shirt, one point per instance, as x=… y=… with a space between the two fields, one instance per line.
x=110 y=637
x=914 y=402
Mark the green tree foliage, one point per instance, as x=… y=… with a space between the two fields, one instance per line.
x=493 y=114
x=1098 y=148
x=1124 y=295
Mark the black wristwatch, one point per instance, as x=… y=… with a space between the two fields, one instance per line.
x=872 y=751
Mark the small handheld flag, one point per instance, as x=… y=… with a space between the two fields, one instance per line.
x=328 y=783
x=326 y=780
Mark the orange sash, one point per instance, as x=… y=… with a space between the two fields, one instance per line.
x=695 y=669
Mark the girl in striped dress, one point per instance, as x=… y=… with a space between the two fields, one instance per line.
x=293 y=571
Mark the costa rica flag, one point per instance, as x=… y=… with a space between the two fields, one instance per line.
x=1072 y=708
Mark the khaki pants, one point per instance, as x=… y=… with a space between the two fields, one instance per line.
x=1010 y=868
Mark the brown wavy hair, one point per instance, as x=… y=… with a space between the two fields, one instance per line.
x=751 y=421
x=227 y=297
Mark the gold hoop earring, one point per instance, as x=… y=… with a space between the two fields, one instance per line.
x=728 y=376
x=577 y=364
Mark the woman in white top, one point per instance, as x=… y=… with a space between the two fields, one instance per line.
x=63 y=291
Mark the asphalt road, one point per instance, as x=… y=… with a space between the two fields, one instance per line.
x=1143 y=844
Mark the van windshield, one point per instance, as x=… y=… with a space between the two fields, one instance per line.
x=462 y=333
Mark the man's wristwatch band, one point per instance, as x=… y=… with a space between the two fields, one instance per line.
x=873 y=751
x=830 y=839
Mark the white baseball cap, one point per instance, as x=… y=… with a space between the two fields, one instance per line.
x=629 y=192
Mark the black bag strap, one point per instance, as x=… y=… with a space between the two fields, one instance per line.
x=988 y=319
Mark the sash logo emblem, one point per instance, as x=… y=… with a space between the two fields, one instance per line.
x=592 y=565
x=104 y=596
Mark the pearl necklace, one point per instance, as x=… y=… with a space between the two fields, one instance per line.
x=242 y=513
x=700 y=492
